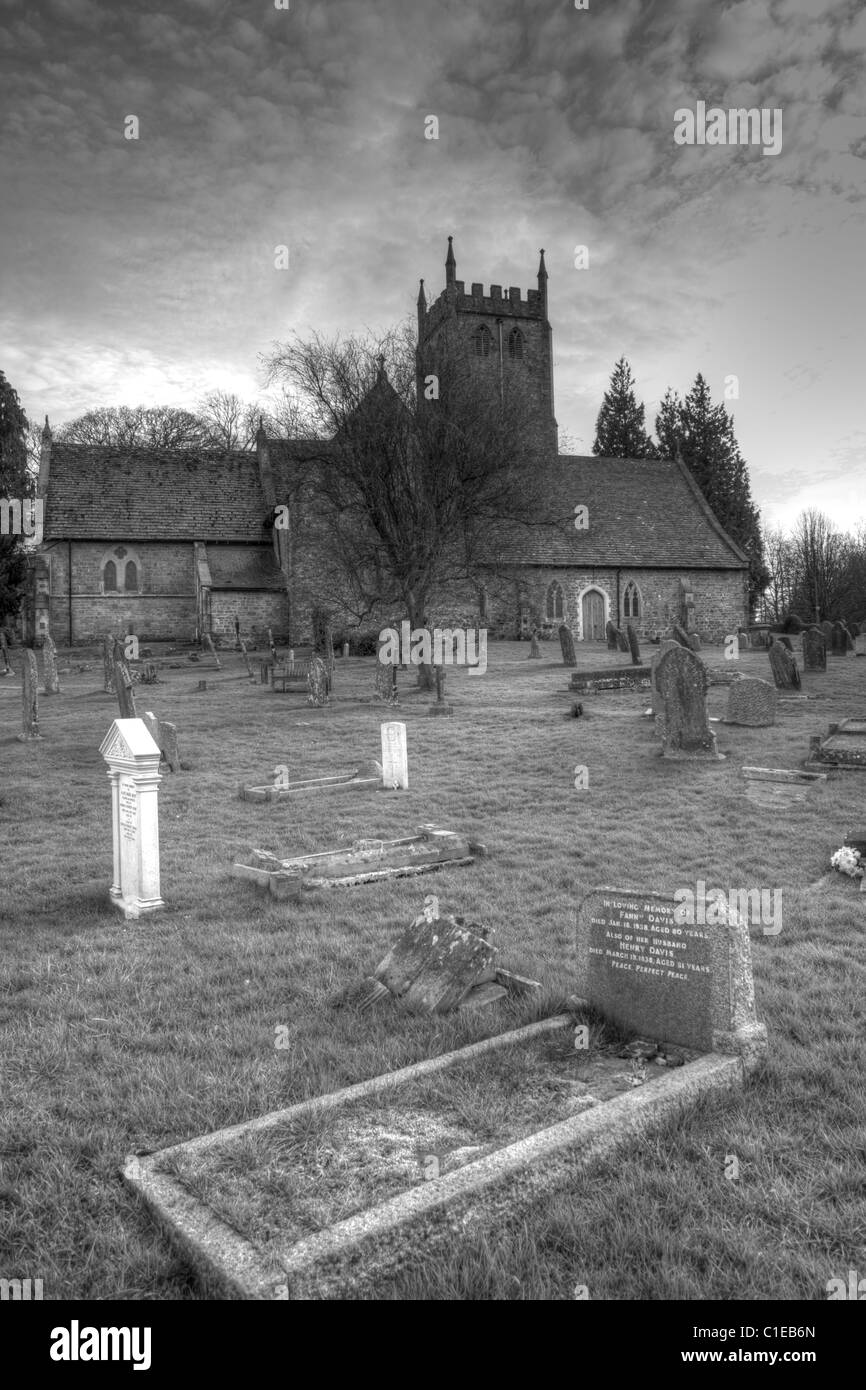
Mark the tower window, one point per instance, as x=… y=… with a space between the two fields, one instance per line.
x=515 y=344
x=482 y=341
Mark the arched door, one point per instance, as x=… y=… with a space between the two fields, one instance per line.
x=593 y=616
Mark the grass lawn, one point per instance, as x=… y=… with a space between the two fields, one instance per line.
x=120 y=1037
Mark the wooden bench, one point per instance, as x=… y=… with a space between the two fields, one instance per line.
x=292 y=673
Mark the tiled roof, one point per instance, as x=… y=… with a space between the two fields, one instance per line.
x=244 y=567
x=642 y=512
x=152 y=494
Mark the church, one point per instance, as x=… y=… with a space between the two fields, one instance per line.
x=176 y=544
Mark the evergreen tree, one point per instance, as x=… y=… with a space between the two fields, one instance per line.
x=13 y=485
x=703 y=436
x=619 y=429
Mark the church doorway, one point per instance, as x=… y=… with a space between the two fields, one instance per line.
x=592 y=610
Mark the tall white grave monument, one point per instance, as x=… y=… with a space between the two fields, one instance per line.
x=133 y=766
x=395 y=760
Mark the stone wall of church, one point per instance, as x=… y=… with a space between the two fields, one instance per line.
x=162 y=609
x=256 y=609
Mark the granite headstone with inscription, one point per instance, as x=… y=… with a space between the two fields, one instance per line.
x=675 y=969
x=681 y=680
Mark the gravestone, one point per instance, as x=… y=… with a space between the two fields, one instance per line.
x=534 y=649
x=30 y=698
x=317 y=682
x=621 y=640
x=848 y=640
x=782 y=640
x=695 y=641
x=855 y=629
x=860 y=644
x=50 y=678
x=208 y=641
x=108 y=663
x=610 y=634
x=123 y=688
x=743 y=643
x=827 y=628
x=752 y=702
x=633 y=644
x=133 y=767
x=4 y=652
x=345 y=650
x=814 y=650
x=786 y=673
x=164 y=736
x=395 y=759
x=566 y=642
x=440 y=706
x=681 y=680
x=667 y=644
x=250 y=672
x=673 y=969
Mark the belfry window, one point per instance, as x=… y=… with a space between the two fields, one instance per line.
x=482 y=341
x=515 y=345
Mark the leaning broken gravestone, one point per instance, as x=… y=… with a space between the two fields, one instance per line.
x=681 y=681
x=133 y=767
x=633 y=644
x=164 y=736
x=752 y=702
x=786 y=673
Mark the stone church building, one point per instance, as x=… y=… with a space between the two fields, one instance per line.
x=173 y=544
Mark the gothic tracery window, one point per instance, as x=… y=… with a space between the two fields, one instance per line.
x=631 y=601
x=482 y=341
x=555 y=607
x=515 y=344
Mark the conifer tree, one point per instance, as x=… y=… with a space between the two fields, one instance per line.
x=702 y=434
x=13 y=485
x=619 y=429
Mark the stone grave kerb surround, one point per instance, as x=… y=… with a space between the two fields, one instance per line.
x=718 y=1016
x=133 y=769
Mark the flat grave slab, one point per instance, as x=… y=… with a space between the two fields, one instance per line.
x=844 y=747
x=364 y=862
x=376 y=1174
x=359 y=779
x=774 y=786
x=610 y=678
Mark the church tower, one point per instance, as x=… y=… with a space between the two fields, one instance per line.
x=507 y=335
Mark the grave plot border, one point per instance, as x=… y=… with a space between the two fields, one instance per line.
x=610 y=678
x=352 y=1252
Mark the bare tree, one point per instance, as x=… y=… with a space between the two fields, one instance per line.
x=416 y=497
x=127 y=427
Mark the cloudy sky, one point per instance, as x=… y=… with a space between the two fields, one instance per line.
x=143 y=270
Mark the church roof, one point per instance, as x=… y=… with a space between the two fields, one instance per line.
x=642 y=512
x=105 y=492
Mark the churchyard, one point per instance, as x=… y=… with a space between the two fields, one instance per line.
x=129 y=1035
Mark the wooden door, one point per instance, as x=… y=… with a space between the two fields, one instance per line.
x=593 y=616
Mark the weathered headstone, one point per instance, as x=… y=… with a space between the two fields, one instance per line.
x=786 y=673
x=30 y=698
x=440 y=707
x=621 y=641
x=395 y=759
x=208 y=641
x=633 y=644
x=164 y=736
x=847 y=638
x=782 y=639
x=827 y=628
x=108 y=663
x=860 y=644
x=4 y=652
x=123 y=689
x=566 y=642
x=133 y=767
x=752 y=702
x=250 y=672
x=681 y=636
x=317 y=682
x=50 y=678
x=743 y=642
x=695 y=641
x=534 y=648
x=345 y=650
x=667 y=644
x=674 y=969
x=814 y=650
x=610 y=634
x=681 y=680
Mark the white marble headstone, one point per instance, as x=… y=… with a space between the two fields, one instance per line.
x=133 y=767
x=395 y=760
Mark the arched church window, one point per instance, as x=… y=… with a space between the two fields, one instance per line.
x=131 y=576
x=555 y=609
x=631 y=601
x=109 y=577
x=482 y=341
x=515 y=344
